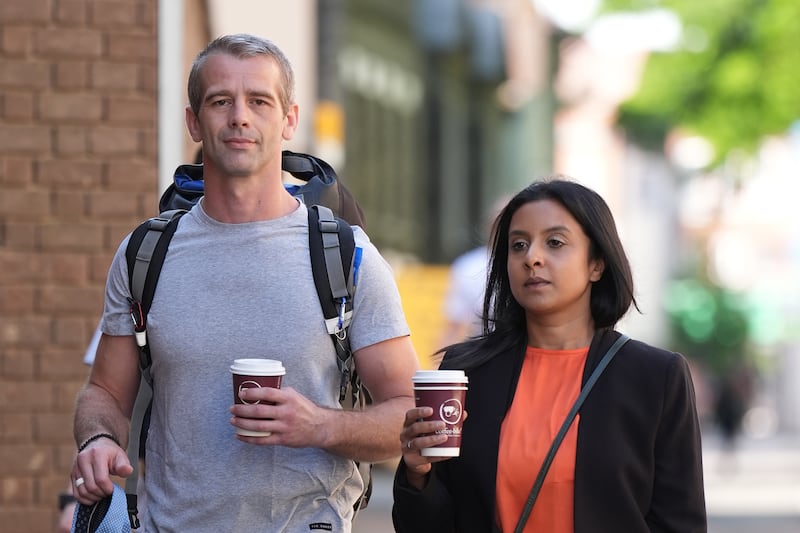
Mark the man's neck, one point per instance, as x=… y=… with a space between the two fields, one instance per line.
x=240 y=200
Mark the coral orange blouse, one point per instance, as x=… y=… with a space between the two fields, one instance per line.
x=549 y=384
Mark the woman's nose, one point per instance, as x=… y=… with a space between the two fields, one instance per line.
x=533 y=258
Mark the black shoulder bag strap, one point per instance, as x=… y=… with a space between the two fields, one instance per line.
x=587 y=387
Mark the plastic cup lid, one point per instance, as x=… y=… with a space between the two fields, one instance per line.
x=440 y=376
x=258 y=367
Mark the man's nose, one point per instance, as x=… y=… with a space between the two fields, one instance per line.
x=240 y=115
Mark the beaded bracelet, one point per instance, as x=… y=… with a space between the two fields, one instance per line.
x=95 y=437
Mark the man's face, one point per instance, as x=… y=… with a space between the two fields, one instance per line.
x=241 y=122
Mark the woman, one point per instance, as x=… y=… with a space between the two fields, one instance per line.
x=631 y=461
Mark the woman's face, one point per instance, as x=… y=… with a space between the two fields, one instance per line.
x=549 y=268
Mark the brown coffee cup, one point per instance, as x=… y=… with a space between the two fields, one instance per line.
x=445 y=392
x=255 y=373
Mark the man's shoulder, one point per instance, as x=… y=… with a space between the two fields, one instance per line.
x=360 y=236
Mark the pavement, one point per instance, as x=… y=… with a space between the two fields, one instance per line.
x=754 y=488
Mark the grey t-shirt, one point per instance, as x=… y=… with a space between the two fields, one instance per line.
x=229 y=291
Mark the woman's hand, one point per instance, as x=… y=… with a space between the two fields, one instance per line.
x=417 y=434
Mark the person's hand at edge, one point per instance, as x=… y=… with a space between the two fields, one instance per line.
x=416 y=435
x=93 y=468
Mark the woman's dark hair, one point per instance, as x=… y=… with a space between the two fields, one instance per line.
x=504 y=325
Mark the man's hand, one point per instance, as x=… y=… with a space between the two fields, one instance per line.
x=292 y=419
x=93 y=468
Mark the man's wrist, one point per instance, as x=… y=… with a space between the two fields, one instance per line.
x=97 y=436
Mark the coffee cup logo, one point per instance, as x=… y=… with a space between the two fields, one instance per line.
x=450 y=411
x=249 y=384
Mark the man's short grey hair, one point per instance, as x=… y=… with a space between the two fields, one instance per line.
x=241 y=46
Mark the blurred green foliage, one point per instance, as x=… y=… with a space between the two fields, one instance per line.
x=733 y=79
x=709 y=324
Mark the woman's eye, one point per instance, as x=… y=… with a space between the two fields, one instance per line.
x=555 y=243
x=519 y=245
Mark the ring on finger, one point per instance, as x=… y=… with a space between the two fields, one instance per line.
x=78 y=482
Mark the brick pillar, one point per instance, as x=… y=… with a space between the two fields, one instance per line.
x=78 y=138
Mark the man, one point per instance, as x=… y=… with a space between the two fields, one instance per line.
x=237 y=283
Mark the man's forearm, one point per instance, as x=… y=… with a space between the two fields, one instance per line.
x=96 y=412
x=371 y=435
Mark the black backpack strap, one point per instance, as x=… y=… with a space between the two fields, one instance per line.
x=334 y=264
x=135 y=442
x=144 y=254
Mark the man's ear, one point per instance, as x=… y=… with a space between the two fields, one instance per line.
x=193 y=124
x=291 y=122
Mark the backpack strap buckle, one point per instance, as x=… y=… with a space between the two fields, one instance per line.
x=139 y=322
x=328 y=226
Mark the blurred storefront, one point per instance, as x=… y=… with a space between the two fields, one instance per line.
x=448 y=106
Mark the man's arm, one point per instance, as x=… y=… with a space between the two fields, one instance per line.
x=373 y=435
x=104 y=406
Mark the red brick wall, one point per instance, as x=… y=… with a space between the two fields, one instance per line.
x=78 y=141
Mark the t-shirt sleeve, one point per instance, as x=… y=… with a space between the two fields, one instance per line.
x=377 y=309
x=116 y=309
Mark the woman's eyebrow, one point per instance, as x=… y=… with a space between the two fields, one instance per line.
x=551 y=229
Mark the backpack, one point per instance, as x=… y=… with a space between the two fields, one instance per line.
x=334 y=261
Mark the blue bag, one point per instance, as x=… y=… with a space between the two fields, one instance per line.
x=109 y=515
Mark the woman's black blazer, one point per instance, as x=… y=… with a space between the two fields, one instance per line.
x=638 y=463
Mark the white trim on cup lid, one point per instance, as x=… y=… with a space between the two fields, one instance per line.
x=439 y=376
x=258 y=367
